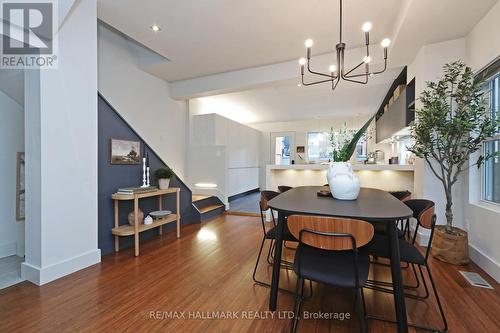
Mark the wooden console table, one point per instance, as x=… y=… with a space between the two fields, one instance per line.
x=137 y=228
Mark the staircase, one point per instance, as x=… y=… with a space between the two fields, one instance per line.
x=208 y=206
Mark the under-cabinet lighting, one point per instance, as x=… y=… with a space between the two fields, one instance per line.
x=206 y=185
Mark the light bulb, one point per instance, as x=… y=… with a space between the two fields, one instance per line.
x=332 y=68
x=367 y=26
x=302 y=61
x=155 y=28
x=309 y=42
x=367 y=59
x=299 y=85
x=386 y=42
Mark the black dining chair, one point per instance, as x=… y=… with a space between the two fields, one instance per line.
x=269 y=233
x=283 y=188
x=403 y=226
x=330 y=251
x=423 y=212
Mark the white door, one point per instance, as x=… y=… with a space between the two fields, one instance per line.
x=282 y=148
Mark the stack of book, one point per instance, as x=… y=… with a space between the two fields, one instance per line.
x=135 y=190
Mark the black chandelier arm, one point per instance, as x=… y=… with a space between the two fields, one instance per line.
x=371 y=73
x=314 y=82
x=356 y=81
x=334 y=84
x=353 y=69
x=319 y=73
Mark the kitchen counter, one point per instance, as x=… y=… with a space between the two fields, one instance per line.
x=355 y=167
x=389 y=177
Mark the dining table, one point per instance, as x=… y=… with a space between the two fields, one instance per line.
x=372 y=205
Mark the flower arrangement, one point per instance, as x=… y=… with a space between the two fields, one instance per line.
x=343 y=142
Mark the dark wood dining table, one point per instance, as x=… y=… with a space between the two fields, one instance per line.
x=372 y=205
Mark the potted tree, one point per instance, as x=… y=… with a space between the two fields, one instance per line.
x=163 y=175
x=451 y=125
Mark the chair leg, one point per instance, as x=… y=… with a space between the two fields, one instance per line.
x=297 y=305
x=443 y=317
x=364 y=323
x=438 y=301
x=270 y=253
x=258 y=259
x=425 y=283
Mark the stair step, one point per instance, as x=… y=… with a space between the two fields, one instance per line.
x=209 y=208
x=199 y=197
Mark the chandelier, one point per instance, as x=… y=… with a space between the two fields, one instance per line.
x=338 y=71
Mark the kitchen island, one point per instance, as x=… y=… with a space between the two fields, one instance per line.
x=388 y=177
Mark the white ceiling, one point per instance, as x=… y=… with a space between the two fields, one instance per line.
x=213 y=36
x=287 y=101
x=201 y=38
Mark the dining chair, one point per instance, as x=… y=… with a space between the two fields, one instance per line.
x=423 y=212
x=269 y=233
x=283 y=188
x=403 y=226
x=330 y=251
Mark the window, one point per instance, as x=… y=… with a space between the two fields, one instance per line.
x=491 y=169
x=318 y=147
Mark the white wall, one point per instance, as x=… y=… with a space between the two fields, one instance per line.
x=481 y=219
x=241 y=146
x=61 y=154
x=141 y=99
x=11 y=142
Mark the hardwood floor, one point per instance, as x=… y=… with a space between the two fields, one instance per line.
x=210 y=269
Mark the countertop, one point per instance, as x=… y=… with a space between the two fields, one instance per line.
x=355 y=167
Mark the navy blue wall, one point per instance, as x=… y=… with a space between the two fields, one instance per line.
x=111 y=177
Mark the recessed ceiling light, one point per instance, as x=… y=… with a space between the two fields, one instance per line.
x=155 y=28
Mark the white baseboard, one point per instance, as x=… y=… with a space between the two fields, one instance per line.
x=486 y=263
x=50 y=273
x=8 y=249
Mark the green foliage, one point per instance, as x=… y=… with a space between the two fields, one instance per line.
x=164 y=173
x=344 y=141
x=451 y=125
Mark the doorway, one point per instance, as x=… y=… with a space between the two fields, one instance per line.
x=282 y=148
x=12 y=192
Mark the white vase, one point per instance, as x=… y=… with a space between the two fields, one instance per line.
x=164 y=183
x=344 y=184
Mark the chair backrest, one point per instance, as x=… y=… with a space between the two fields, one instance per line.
x=283 y=188
x=265 y=197
x=401 y=195
x=423 y=211
x=330 y=233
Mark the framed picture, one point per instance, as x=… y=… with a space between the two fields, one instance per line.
x=20 y=187
x=301 y=149
x=125 y=152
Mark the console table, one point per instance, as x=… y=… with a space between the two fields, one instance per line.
x=129 y=230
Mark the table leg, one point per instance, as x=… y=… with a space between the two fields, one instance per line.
x=178 y=212
x=160 y=207
x=136 y=225
x=280 y=226
x=117 y=238
x=397 y=280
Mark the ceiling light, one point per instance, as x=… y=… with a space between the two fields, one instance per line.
x=155 y=28
x=386 y=42
x=299 y=85
x=339 y=71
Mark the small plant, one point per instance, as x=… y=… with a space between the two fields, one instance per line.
x=164 y=173
x=451 y=125
x=344 y=141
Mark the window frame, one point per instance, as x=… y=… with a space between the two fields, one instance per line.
x=492 y=74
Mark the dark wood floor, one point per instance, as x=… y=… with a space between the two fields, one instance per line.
x=210 y=269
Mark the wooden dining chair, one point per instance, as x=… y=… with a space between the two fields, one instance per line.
x=423 y=212
x=330 y=252
x=283 y=188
